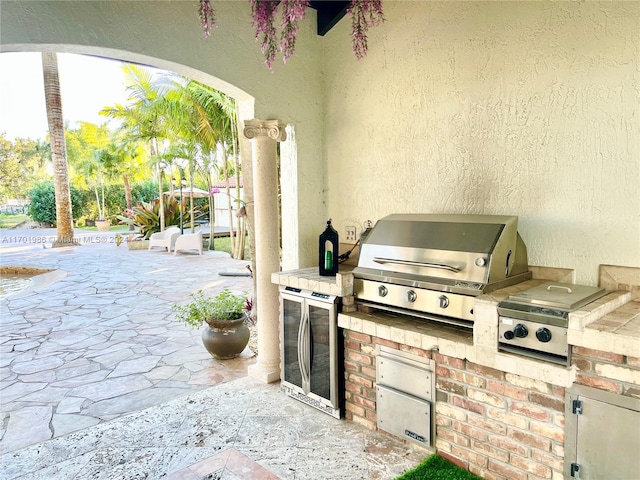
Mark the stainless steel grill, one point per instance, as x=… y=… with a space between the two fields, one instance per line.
x=433 y=266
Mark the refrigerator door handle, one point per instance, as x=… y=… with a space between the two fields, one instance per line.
x=306 y=375
x=300 y=349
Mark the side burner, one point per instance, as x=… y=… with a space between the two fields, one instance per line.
x=534 y=322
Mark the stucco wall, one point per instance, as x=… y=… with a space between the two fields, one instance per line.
x=168 y=35
x=514 y=108
x=523 y=108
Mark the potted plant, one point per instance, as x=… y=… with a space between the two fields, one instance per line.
x=226 y=334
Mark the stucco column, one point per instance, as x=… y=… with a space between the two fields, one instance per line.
x=263 y=135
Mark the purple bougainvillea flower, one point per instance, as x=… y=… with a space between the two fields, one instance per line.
x=364 y=14
x=262 y=14
x=207 y=17
x=292 y=12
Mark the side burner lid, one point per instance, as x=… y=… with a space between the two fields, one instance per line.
x=563 y=296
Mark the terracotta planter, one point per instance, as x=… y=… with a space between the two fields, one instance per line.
x=225 y=339
x=103 y=225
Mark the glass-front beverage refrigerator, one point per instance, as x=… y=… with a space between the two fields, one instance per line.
x=311 y=348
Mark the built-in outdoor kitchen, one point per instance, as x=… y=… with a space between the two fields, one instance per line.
x=437 y=331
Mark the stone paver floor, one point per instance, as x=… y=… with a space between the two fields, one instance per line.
x=97 y=379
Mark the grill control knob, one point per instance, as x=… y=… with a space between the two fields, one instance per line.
x=509 y=335
x=382 y=291
x=520 y=331
x=543 y=334
x=411 y=296
x=444 y=301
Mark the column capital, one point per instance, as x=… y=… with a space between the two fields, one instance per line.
x=273 y=129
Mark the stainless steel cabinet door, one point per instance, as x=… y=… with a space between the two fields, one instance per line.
x=603 y=435
x=608 y=442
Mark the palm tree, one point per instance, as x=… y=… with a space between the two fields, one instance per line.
x=64 y=214
x=123 y=158
x=83 y=145
x=206 y=118
x=192 y=134
x=197 y=124
x=144 y=117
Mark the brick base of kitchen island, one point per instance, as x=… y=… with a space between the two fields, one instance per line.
x=495 y=424
x=502 y=415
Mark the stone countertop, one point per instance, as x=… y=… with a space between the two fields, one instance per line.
x=617 y=331
x=340 y=284
x=610 y=323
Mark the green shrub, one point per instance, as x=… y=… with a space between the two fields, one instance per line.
x=144 y=191
x=42 y=203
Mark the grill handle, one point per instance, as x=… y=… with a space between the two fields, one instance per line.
x=441 y=266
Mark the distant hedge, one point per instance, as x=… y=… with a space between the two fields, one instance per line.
x=83 y=202
x=42 y=203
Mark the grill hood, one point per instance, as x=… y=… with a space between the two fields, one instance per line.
x=468 y=254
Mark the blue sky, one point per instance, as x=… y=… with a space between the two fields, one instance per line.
x=87 y=85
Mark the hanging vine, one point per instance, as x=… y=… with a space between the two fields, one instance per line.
x=292 y=12
x=262 y=12
x=364 y=14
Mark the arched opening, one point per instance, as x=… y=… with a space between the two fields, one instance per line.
x=244 y=101
x=246 y=108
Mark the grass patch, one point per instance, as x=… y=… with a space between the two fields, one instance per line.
x=438 y=468
x=10 y=220
x=223 y=244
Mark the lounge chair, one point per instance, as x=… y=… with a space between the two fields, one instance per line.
x=166 y=239
x=189 y=241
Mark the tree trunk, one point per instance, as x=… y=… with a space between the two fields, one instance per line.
x=95 y=190
x=191 y=202
x=225 y=171
x=239 y=244
x=104 y=211
x=212 y=216
x=247 y=181
x=64 y=215
x=154 y=153
x=128 y=198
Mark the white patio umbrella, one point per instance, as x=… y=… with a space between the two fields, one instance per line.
x=188 y=192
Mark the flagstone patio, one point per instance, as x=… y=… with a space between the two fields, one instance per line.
x=99 y=381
